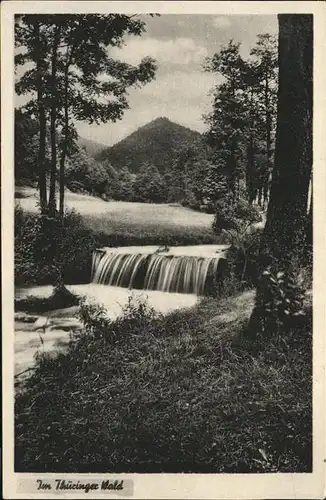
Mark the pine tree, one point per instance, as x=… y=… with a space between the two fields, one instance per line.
x=32 y=47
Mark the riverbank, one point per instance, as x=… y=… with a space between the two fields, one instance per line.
x=177 y=393
x=49 y=331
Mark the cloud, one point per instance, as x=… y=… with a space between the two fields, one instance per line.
x=178 y=88
x=180 y=96
x=221 y=22
x=180 y=51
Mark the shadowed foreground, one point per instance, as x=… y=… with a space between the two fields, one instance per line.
x=181 y=393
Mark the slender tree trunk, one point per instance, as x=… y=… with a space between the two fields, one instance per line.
x=42 y=119
x=287 y=211
x=53 y=128
x=250 y=170
x=268 y=140
x=65 y=143
x=250 y=156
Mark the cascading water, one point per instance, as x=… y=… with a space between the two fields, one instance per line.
x=181 y=274
x=117 y=269
x=168 y=272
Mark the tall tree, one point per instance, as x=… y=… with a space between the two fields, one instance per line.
x=284 y=239
x=31 y=43
x=84 y=82
x=241 y=124
x=265 y=70
x=284 y=234
x=226 y=121
x=53 y=116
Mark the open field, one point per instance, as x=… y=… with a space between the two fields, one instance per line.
x=128 y=222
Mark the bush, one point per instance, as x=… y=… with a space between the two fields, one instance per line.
x=237 y=217
x=279 y=302
x=47 y=251
x=235 y=222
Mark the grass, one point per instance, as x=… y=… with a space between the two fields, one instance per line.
x=177 y=393
x=125 y=223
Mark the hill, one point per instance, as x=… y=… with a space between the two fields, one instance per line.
x=156 y=143
x=92 y=148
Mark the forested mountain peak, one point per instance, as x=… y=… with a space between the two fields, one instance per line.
x=156 y=143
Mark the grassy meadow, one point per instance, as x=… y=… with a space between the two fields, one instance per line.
x=118 y=223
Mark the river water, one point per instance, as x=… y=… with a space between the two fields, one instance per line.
x=169 y=270
x=55 y=335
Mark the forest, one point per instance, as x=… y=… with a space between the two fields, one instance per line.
x=224 y=386
x=235 y=155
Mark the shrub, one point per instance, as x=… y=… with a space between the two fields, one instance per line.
x=234 y=217
x=137 y=317
x=47 y=250
x=279 y=301
x=235 y=222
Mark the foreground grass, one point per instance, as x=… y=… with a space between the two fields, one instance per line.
x=181 y=393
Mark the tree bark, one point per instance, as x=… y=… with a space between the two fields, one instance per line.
x=42 y=119
x=284 y=233
x=284 y=237
x=53 y=118
x=268 y=139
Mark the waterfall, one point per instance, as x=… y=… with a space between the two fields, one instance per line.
x=117 y=269
x=155 y=271
x=181 y=274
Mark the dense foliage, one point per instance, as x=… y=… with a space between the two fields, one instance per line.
x=49 y=252
x=242 y=122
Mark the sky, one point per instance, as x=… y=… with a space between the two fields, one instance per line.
x=181 y=89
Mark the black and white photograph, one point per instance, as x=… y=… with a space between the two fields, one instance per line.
x=163 y=256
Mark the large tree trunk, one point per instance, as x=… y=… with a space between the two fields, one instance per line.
x=284 y=234
x=42 y=119
x=284 y=238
